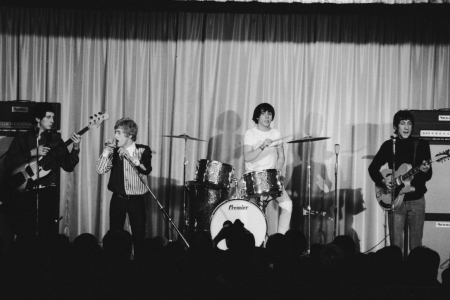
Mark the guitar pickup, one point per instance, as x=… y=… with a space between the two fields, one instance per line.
x=29 y=171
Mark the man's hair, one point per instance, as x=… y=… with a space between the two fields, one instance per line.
x=402 y=115
x=40 y=111
x=261 y=108
x=129 y=127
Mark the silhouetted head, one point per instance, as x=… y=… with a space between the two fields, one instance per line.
x=117 y=243
x=390 y=255
x=296 y=241
x=86 y=245
x=276 y=247
x=424 y=261
x=239 y=238
x=346 y=243
x=331 y=256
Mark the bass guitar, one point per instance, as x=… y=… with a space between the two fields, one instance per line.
x=402 y=182
x=24 y=175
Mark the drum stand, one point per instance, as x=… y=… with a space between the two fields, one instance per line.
x=185 y=137
x=236 y=195
x=263 y=203
x=309 y=139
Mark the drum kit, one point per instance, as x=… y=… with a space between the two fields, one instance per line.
x=209 y=205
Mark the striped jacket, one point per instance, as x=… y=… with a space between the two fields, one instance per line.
x=124 y=180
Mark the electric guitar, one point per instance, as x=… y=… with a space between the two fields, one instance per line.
x=402 y=182
x=24 y=175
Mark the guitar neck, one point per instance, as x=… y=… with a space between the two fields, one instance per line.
x=57 y=150
x=81 y=132
x=414 y=171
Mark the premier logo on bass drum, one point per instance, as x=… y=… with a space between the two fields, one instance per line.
x=242 y=207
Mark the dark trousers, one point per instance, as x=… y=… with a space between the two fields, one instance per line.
x=25 y=218
x=134 y=206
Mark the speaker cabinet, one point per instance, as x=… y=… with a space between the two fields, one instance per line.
x=436 y=236
x=17 y=116
x=436 y=233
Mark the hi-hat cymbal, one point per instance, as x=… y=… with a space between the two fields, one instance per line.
x=184 y=136
x=308 y=139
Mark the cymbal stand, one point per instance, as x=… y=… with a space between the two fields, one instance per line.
x=336 y=199
x=186 y=207
x=185 y=162
x=236 y=192
x=309 y=196
x=154 y=197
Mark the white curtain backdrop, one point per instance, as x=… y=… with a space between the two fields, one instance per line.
x=327 y=75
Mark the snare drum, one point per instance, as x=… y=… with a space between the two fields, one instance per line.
x=263 y=183
x=214 y=173
x=249 y=214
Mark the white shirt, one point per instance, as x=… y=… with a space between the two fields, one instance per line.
x=131 y=149
x=269 y=156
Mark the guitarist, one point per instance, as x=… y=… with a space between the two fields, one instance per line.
x=22 y=151
x=414 y=152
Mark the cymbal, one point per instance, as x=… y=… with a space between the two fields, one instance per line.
x=184 y=136
x=308 y=139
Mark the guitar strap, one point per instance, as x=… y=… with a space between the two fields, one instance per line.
x=415 y=148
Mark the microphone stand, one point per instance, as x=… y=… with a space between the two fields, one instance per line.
x=336 y=199
x=36 y=185
x=154 y=197
x=392 y=211
x=309 y=196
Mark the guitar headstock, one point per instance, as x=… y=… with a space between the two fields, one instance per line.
x=443 y=156
x=97 y=119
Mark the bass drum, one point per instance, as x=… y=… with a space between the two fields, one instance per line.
x=250 y=215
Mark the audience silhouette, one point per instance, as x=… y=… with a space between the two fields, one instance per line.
x=55 y=268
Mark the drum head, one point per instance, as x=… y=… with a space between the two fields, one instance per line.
x=250 y=215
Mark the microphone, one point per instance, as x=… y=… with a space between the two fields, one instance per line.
x=336 y=150
x=111 y=142
x=393 y=136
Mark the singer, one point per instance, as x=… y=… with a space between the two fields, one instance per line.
x=128 y=190
x=414 y=152
x=23 y=150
